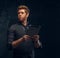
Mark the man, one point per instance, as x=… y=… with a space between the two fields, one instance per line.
x=21 y=43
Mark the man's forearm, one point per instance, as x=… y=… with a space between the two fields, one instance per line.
x=17 y=42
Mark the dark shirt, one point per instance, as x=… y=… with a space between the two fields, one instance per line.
x=16 y=31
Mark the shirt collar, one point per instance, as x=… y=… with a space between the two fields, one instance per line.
x=28 y=24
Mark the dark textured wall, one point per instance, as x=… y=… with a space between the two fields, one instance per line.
x=42 y=13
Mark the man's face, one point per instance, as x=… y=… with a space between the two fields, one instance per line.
x=22 y=15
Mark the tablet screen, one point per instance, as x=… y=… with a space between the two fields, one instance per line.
x=33 y=30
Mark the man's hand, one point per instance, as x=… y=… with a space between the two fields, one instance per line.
x=37 y=43
x=35 y=37
x=26 y=37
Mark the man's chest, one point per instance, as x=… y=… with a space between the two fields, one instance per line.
x=20 y=30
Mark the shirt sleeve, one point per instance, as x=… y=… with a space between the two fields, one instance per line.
x=10 y=37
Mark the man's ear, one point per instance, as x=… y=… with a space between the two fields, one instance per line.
x=27 y=14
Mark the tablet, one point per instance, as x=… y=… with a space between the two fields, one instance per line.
x=33 y=30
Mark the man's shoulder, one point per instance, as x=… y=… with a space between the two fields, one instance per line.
x=13 y=26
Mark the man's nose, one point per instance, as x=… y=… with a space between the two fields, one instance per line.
x=20 y=14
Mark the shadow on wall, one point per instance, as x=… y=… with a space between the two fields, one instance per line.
x=4 y=53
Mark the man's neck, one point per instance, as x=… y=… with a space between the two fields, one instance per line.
x=25 y=23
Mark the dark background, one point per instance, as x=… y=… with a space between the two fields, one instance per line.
x=41 y=13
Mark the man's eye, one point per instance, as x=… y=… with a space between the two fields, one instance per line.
x=22 y=12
